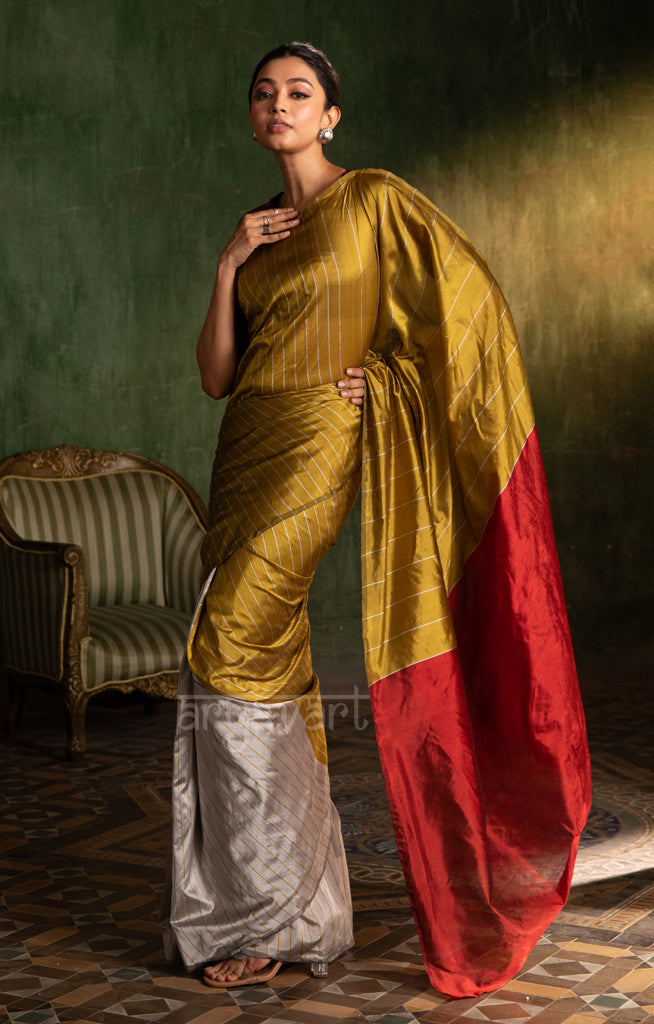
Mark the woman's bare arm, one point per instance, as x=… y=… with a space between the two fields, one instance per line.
x=217 y=351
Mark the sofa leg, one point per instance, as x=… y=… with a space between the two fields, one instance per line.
x=15 y=709
x=76 y=725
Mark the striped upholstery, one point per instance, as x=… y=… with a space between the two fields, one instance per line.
x=128 y=641
x=33 y=597
x=182 y=537
x=141 y=543
x=110 y=606
x=130 y=525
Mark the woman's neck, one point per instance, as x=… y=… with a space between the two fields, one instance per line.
x=305 y=179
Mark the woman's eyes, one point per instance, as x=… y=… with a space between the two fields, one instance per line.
x=263 y=94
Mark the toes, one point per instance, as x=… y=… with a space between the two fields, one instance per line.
x=232 y=970
x=227 y=970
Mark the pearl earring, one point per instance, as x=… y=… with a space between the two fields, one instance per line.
x=325 y=135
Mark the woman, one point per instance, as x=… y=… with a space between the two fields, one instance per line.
x=468 y=653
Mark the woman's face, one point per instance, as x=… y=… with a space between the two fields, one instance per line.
x=288 y=106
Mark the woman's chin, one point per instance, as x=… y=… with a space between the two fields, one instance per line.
x=287 y=145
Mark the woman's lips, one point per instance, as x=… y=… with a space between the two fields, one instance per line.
x=278 y=126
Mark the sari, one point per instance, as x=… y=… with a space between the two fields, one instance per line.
x=468 y=655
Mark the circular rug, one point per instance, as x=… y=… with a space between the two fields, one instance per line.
x=618 y=838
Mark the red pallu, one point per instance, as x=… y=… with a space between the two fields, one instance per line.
x=484 y=755
x=477 y=708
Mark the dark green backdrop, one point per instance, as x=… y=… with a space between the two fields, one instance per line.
x=128 y=159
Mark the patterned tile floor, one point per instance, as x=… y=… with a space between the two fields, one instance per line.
x=82 y=850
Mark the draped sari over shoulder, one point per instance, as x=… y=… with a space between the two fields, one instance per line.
x=468 y=653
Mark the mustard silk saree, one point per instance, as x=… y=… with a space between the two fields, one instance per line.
x=468 y=654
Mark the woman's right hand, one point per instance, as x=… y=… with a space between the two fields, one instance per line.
x=249 y=233
x=217 y=350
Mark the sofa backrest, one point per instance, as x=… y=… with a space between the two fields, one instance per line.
x=182 y=540
x=139 y=535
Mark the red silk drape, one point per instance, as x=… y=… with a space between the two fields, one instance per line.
x=484 y=753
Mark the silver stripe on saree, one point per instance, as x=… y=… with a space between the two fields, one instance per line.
x=258 y=865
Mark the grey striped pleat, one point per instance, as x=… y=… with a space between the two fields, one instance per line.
x=258 y=864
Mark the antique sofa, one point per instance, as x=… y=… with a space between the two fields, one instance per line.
x=99 y=573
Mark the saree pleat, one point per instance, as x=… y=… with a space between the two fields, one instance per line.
x=252 y=641
x=468 y=655
x=247 y=782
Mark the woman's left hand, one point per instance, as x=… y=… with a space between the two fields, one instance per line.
x=353 y=386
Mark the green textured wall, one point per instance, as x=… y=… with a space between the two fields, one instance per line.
x=130 y=159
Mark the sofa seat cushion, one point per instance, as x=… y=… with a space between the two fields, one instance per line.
x=128 y=641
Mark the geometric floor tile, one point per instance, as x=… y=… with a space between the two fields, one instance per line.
x=119 y=975
x=10 y=954
x=609 y=1002
x=24 y=984
x=398 y=1017
x=500 y=1010
x=47 y=1016
x=145 y=1007
x=82 y=860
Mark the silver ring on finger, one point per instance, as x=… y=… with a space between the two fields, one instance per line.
x=275 y=212
x=266 y=226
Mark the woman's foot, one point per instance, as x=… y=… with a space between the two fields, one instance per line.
x=231 y=973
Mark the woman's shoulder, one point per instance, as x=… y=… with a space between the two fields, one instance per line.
x=378 y=182
x=376 y=179
x=376 y=186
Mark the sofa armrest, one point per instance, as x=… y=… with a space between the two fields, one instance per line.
x=43 y=604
